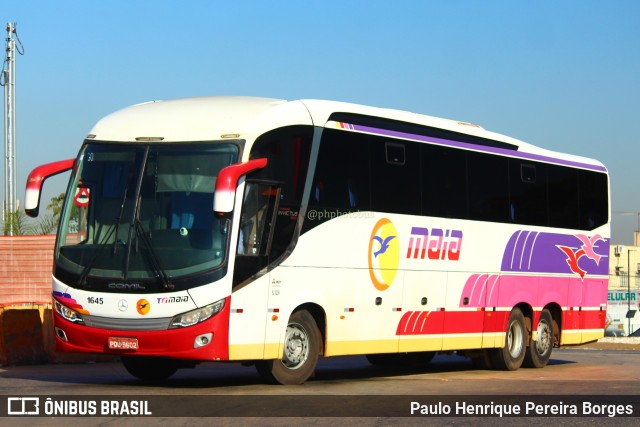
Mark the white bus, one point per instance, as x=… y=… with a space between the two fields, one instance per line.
x=274 y=232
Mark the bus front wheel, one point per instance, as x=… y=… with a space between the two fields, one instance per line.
x=301 y=352
x=511 y=356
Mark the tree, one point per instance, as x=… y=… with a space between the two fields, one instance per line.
x=56 y=205
x=17 y=224
x=49 y=223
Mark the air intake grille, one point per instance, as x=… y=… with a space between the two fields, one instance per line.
x=127 y=324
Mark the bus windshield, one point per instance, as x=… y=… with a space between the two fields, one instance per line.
x=143 y=213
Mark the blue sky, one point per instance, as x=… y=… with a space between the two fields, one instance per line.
x=563 y=75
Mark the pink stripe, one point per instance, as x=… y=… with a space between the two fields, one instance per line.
x=510 y=290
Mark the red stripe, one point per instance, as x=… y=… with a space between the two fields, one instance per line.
x=578 y=319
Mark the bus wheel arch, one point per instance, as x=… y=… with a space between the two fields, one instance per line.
x=556 y=319
x=319 y=316
x=303 y=345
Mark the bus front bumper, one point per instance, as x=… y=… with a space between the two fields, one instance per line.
x=205 y=341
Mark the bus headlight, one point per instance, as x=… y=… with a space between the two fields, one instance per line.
x=194 y=317
x=67 y=313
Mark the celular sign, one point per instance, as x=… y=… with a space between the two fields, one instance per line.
x=621 y=304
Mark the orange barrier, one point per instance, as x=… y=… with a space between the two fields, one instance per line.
x=26 y=323
x=27 y=337
x=21 y=335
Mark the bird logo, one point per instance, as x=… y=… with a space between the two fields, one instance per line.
x=586 y=250
x=587 y=246
x=573 y=258
x=384 y=244
x=143 y=306
x=384 y=254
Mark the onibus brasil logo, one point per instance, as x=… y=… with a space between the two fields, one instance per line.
x=384 y=254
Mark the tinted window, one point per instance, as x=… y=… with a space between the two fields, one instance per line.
x=563 y=197
x=362 y=172
x=528 y=192
x=444 y=182
x=287 y=150
x=488 y=187
x=342 y=173
x=594 y=204
x=395 y=176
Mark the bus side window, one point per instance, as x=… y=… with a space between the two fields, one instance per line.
x=288 y=150
x=594 y=207
x=342 y=174
x=527 y=192
x=257 y=218
x=395 y=171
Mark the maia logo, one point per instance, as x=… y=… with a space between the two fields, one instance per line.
x=384 y=254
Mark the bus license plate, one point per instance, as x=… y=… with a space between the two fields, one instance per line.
x=118 y=343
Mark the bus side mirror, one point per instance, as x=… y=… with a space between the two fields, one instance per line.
x=36 y=180
x=227 y=181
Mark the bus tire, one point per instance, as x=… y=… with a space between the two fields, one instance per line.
x=511 y=356
x=302 y=346
x=149 y=368
x=539 y=351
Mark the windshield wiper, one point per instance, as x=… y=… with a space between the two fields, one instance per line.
x=118 y=219
x=136 y=211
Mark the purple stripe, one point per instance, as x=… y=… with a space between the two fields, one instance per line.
x=546 y=257
x=493 y=150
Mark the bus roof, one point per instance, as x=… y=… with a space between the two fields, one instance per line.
x=219 y=117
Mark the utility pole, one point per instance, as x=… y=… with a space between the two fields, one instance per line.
x=8 y=80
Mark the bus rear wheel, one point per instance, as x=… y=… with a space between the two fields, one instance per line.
x=539 y=351
x=149 y=368
x=511 y=356
x=302 y=346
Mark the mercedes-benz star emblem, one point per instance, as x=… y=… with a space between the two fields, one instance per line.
x=122 y=305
